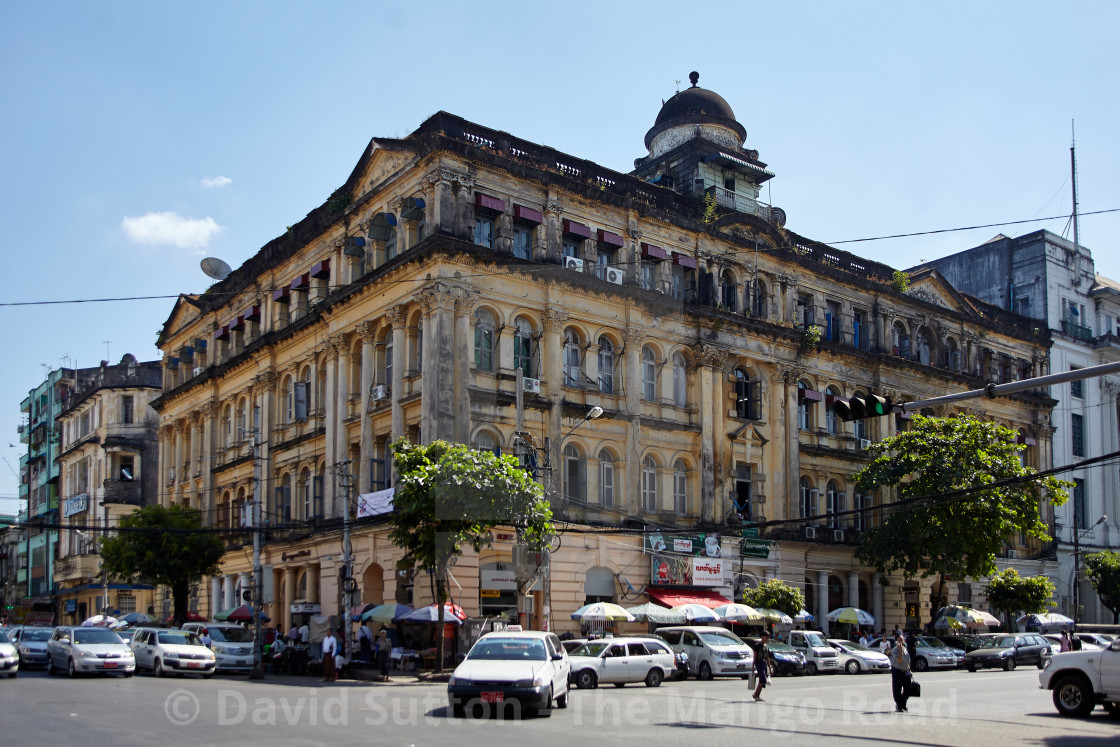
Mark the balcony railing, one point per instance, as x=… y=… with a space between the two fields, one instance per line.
x=1077 y=331
x=725 y=198
x=122 y=491
x=77 y=566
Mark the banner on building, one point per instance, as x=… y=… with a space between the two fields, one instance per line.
x=76 y=505
x=679 y=570
x=375 y=504
x=685 y=543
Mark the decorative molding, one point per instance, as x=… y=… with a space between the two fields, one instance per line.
x=635 y=233
x=368 y=332
x=552 y=206
x=397 y=316
x=633 y=336
x=454 y=178
x=553 y=319
x=710 y=355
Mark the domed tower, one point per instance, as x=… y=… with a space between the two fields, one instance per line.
x=696 y=147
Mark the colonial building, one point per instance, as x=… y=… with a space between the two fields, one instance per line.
x=461 y=260
x=108 y=467
x=1050 y=279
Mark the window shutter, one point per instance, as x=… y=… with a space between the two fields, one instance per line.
x=317 y=496
x=302 y=389
x=754 y=393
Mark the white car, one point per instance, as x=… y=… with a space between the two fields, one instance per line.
x=621 y=660
x=178 y=651
x=855 y=658
x=31 y=642
x=9 y=657
x=529 y=668
x=232 y=644
x=1080 y=680
x=712 y=652
x=77 y=650
x=819 y=656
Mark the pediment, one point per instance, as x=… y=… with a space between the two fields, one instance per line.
x=183 y=314
x=931 y=287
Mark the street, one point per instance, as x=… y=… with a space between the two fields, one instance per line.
x=985 y=708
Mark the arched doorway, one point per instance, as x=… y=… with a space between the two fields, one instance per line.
x=497 y=590
x=373 y=584
x=599 y=585
x=836 y=597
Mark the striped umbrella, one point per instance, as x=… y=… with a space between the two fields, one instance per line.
x=775 y=616
x=740 y=613
x=655 y=613
x=696 y=613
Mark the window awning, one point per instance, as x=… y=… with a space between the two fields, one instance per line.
x=610 y=239
x=684 y=260
x=381 y=226
x=650 y=251
x=571 y=228
x=675 y=597
x=527 y=214
x=489 y=203
x=412 y=207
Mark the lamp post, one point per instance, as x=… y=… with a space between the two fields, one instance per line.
x=1077 y=565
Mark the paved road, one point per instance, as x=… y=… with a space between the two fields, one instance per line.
x=983 y=709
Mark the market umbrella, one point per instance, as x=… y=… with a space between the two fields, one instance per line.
x=244 y=613
x=947 y=622
x=655 y=613
x=192 y=617
x=136 y=618
x=602 y=612
x=1049 y=620
x=775 y=616
x=119 y=625
x=98 y=621
x=697 y=613
x=358 y=611
x=386 y=613
x=452 y=613
x=740 y=613
x=851 y=616
x=804 y=616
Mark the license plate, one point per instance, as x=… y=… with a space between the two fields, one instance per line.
x=194 y=665
x=493 y=697
x=741 y=665
x=110 y=665
x=242 y=661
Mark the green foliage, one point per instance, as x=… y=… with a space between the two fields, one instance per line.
x=810 y=339
x=900 y=280
x=709 y=214
x=168 y=550
x=958 y=538
x=338 y=203
x=1103 y=569
x=1011 y=594
x=776 y=594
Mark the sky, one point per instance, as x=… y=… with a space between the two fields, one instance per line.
x=140 y=137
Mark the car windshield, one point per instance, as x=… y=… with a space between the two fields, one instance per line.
x=230 y=635
x=590 y=649
x=1008 y=642
x=488 y=649
x=40 y=634
x=4 y=637
x=179 y=638
x=779 y=647
x=932 y=642
x=719 y=638
x=816 y=640
x=94 y=635
x=849 y=646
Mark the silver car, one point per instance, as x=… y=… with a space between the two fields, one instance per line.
x=9 y=659
x=31 y=643
x=231 y=644
x=77 y=650
x=622 y=660
x=178 y=651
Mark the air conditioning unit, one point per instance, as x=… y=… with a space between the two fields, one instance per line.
x=614 y=275
x=533 y=386
x=573 y=263
x=198 y=371
x=810 y=533
x=837 y=535
x=378 y=391
x=865 y=443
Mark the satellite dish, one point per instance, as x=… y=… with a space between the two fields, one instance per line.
x=216 y=268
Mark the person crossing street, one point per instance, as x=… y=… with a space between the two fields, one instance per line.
x=900 y=673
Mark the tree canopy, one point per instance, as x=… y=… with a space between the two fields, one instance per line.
x=1103 y=569
x=1011 y=593
x=776 y=594
x=166 y=548
x=952 y=537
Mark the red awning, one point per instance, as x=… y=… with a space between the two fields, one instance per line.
x=675 y=597
x=489 y=203
x=610 y=239
x=649 y=251
x=572 y=228
x=525 y=213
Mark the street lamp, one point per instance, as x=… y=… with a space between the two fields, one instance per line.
x=1077 y=566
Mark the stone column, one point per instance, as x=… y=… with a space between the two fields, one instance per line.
x=209 y=436
x=438 y=384
x=552 y=357
x=463 y=355
x=822 y=601
x=367 y=331
x=227 y=593
x=195 y=424
x=710 y=360
x=215 y=595
x=332 y=418
x=853 y=589
x=288 y=598
x=244 y=584
x=877 y=601
x=312 y=583
x=398 y=319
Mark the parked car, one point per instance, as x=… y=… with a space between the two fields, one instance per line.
x=31 y=642
x=621 y=660
x=77 y=650
x=819 y=656
x=126 y=635
x=1082 y=679
x=965 y=641
x=178 y=651
x=1008 y=651
x=572 y=644
x=1103 y=640
x=9 y=657
x=712 y=652
x=1087 y=643
x=528 y=667
x=784 y=657
x=855 y=658
x=680 y=657
x=930 y=653
x=232 y=644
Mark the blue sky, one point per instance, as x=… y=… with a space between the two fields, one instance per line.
x=140 y=137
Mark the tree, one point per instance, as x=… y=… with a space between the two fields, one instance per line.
x=450 y=496
x=164 y=545
x=1103 y=569
x=1011 y=593
x=952 y=537
x=777 y=595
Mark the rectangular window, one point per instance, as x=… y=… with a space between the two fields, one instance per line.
x=680 y=493
x=284 y=503
x=1079 y=518
x=128 y=468
x=317 y=495
x=127 y=405
x=571 y=246
x=302 y=395
x=575 y=483
x=484 y=231
x=743 y=487
x=649 y=488
x=964 y=594
x=858 y=331
x=1075 y=386
x=606 y=483
x=649 y=275
x=1077 y=434
x=522 y=242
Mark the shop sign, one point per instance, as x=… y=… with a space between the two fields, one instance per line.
x=693 y=543
x=489 y=593
x=306 y=608
x=500 y=580
x=756 y=548
x=707 y=572
x=71 y=605
x=677 y=570
x=76 y=505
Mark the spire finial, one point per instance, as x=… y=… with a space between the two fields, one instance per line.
x=693 y=77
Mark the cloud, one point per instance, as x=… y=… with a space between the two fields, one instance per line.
x=171 y=229
x=216 y=182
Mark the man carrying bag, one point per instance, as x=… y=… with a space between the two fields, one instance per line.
x=901 y=678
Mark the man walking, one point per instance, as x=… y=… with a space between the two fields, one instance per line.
x=384 y=649
x=762 y=665
x=900 y=673
x=330 y=648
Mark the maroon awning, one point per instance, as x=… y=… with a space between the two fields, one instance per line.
x=489 y=203
x=831 y=399
x=222 y=333
x=684 y=260
x=252 y=314
x=808 y=395
x=237 y=323
x=523 y=213
x=321 y=269
x=676 y=597
x=649 y=251
x=610 y=239
x=282 y=294
x=302 y=281
x=576 y=229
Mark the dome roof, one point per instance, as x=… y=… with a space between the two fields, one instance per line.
x=695 y=105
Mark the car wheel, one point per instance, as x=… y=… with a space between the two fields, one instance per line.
x=50 y=665
x=810 y=667
x=12 y=675
x=157 y=668
x=654 y=677
x=1008 y=664
x=705 y=671
x=1073 y=696
x=619 y=684
x=547 y=710
x=971 y=667
x=852 y=666
x=208 y=675
x=70 y=669
x=921 y=664
x=458 y=711
x=585 y=679
x=128 y=674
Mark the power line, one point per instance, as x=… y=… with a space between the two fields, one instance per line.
x=967 y=228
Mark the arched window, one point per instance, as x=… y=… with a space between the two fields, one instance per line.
x=242 y=425
x=923 y=346
x=575 y=475
x=573 y=370
x=900 y=340
x=606 y=365
x=831 y=422
x=227 y=426
x=289 y=400
x=680 y=488
x=953 y=355
x=283 y=506
x=729 y=291
x=483 y=340
x=387 y=360
x=748 y=396
x=836 y=501
x=606 y=479
x=680 y=380
x=808 y=501
x=649 y=484
x=303 y=495
x=485 y=441
x=759 y=299
x=806 y=413
x=649 y=374
x=523 y=346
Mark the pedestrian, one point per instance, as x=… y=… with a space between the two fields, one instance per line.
x=1063 y=643
x=884 y=645
x=330 y=648
x=864 y=640
x=762 y=665
x=365 y=643
x=205 y=638
x=304 y=634
x=900 y=674
x=911 y=645
x=276 y=652
x=384 y=649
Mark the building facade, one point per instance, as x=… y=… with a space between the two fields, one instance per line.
x=459 y=261
x=1045 y=277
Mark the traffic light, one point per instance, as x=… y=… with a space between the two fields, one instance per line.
x=862 y=407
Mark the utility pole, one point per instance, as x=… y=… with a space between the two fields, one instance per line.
x=257 y=673
x=346 y=581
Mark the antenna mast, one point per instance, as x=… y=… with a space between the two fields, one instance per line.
x=1073 y=176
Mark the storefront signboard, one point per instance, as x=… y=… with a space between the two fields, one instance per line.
x=687 y=543
x=678 y=570
x=756 y=548
x=306 y=608
x=76 y=505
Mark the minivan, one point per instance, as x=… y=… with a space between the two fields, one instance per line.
x=819 y=656
x=712 y=652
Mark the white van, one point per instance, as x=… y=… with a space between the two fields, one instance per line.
x=819 y=656
x=712 y=652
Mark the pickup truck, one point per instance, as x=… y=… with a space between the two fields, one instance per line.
x=1080 y=680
